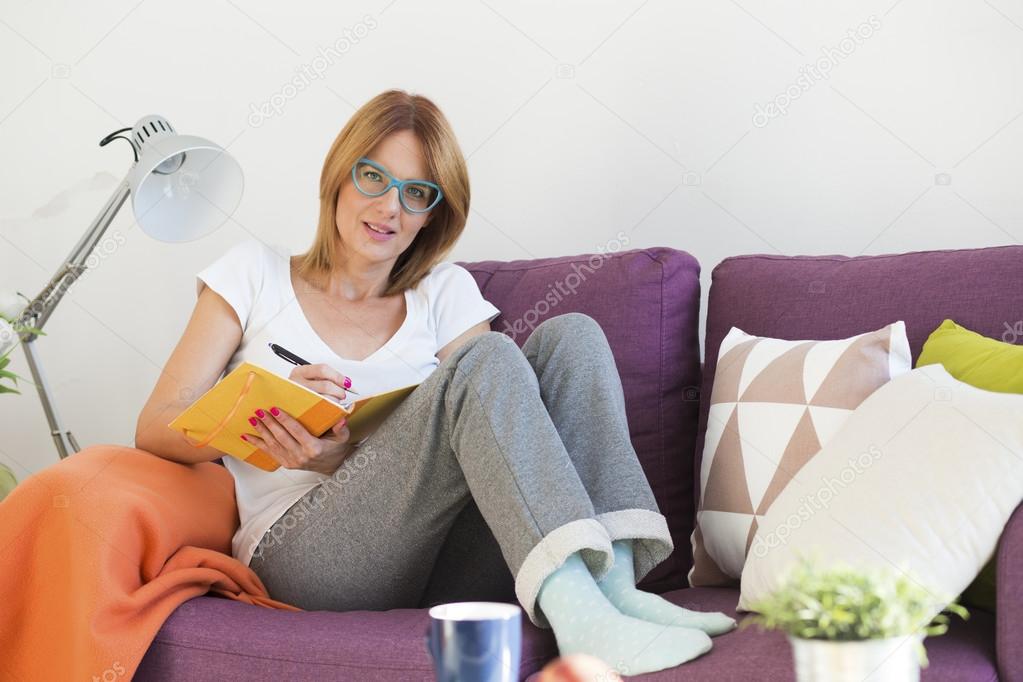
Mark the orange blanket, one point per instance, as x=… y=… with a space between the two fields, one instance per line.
x=97 y=550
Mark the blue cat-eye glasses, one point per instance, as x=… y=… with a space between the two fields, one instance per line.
x=373 y=180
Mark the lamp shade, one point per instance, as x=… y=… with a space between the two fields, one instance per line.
x=182 y=187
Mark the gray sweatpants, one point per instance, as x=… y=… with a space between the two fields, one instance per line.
x=536 y=438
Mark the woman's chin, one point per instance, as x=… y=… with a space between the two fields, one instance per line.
x=377 y=252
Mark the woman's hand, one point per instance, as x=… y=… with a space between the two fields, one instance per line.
x=323 y=379
x=285 y=439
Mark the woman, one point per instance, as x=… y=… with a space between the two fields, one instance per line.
x=530 y=436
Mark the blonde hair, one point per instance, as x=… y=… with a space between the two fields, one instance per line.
x=389 y=112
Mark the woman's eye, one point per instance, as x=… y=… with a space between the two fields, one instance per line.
x=372 y=175
x=416 y=192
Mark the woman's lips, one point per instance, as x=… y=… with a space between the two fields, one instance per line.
x=377 y=235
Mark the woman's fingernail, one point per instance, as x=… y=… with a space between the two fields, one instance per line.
x=260 y=413
x=343 y=422
x=244 y=438
x=252 y=420
x=348 y=382
x=274 y=411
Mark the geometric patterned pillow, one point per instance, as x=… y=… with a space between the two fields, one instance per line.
x=773 y=405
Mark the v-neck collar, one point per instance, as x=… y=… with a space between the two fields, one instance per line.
x=289 y=289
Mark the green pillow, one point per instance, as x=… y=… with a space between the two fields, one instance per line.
x=988 y=364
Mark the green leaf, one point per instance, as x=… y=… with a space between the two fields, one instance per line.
x=7 y=374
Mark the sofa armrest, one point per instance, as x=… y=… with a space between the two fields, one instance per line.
x=1009 y=606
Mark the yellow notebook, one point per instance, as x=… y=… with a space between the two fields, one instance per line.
x=221 y=415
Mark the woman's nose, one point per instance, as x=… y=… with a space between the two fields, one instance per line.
x=390 y=201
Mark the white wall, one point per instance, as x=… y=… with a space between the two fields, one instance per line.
x=579 y=119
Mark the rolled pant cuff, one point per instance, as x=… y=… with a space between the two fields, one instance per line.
x=586 y=536
x=648 y=530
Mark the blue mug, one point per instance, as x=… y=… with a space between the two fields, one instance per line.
x=475 y=641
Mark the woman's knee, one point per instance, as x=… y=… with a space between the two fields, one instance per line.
x=493 y=342
x=489 y=342
x=490 y=352
x=571 y=325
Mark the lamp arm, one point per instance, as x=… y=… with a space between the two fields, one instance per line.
x=39 y=309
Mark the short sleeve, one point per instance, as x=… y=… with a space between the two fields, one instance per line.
x=237 y=276
x=455 y=302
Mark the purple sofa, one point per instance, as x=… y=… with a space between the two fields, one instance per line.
x=647 y=302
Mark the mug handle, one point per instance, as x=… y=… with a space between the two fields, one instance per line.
x=227 y=418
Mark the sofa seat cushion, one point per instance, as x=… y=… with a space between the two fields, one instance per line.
x=965 y=652
x=647 y=301
x=211 y=638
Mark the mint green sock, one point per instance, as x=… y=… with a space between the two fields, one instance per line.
x=619 y=586
x=584 y=621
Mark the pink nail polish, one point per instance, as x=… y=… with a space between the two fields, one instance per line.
x=244 y=438
x=274 y=411
x=260 y=413
x=348 y=382
x=252 y=420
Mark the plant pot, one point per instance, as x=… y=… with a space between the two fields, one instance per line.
x=870 y=660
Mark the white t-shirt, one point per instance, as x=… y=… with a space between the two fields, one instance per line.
x=255 y=279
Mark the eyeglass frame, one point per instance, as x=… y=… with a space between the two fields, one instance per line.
x=395 y=182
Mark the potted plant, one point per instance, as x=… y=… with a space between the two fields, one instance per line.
x=10 y=335
x=7 y=344
x=854 y=624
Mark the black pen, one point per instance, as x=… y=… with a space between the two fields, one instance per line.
x=286 y=354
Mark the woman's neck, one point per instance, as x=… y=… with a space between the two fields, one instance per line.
x=354 y=281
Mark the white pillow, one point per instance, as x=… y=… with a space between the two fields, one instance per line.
x=922 y=477
x=774 y=403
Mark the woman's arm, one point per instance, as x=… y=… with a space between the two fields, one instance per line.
x=475 y=330
x=196 y=363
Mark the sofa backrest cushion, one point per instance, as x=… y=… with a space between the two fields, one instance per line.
x=833 y=297
x=647 y=302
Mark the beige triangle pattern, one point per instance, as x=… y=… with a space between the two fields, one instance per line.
x=782 y=380
x=752 y=533
x=726 y=489
x=803 y=445
x=851 y=378
x=729 y=371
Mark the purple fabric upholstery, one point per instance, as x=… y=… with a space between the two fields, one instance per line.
x=211 y=638
x=1009 y=605
x=965 y=652
x=647 y=302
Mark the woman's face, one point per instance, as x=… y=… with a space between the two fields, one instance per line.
x=401 y=154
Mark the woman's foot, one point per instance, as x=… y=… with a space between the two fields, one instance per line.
x=584 y=621
x=619 y=586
